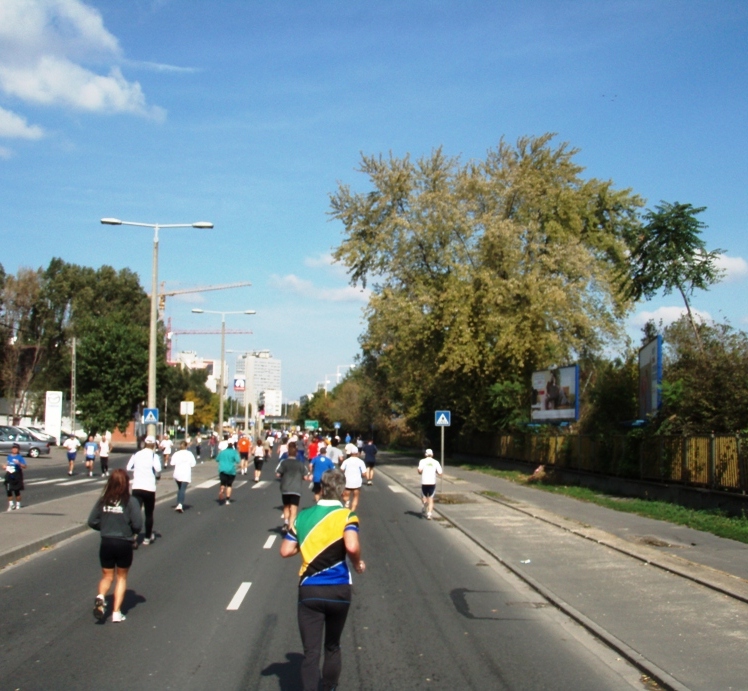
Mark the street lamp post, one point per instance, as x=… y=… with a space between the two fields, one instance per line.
x=337 y=371
x=223 y=358
x=153 y=339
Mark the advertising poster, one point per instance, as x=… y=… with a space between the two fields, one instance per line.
x=650 y=378
x=240 y=383
x=554 y=394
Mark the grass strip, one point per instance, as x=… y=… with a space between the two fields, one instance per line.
x=712 y=521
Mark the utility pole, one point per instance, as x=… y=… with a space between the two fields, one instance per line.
x=72 y=389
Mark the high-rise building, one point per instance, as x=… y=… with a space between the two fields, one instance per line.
x=262 y=372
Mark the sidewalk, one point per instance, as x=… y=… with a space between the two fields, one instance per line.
x=579 y=556
x=43 y=525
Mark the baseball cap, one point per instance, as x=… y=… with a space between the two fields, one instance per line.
x=429 y=452
x=150 y=439
x=223 y=445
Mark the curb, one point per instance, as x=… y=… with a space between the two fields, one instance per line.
x=31 y=548
x=631 y=655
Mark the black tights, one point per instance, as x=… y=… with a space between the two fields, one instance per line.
x=322 y=608
x=148 y=500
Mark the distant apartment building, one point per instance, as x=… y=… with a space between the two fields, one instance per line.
x=189 y=359
x=262 y=372
x=272 y=399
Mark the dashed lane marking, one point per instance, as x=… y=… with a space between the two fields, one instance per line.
x=69 y=483
x=42 y=482
x=239 y=484
x=236 y=601
x=396 y=489
x=269 y=542
x=207 y=484
x=260 y=484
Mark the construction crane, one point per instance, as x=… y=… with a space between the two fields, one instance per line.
x=170 y=333
x=163 y=294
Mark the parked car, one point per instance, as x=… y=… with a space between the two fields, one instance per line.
x=39 y=434
x=28 y=445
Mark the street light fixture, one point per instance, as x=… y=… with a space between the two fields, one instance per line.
x=153 y=338
x=249 y=389
x=223 y=357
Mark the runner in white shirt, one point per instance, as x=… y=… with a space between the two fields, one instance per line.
x=428 y=469
x=350 y=449
x=354 y=469
x=166 y=447
x=146 y=467
x=183 y=462
x=71 y=445
x=334 y=453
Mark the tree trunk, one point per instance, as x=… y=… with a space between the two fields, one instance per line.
x=690 y=319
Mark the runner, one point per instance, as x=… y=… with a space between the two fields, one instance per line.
x=212 y=444
x=166 y=447
x=292 y=473
x=244 y=447
x=354 y=469
x=116 y=515
x=227 y=459
x=312 y=448
x=104 y=449
x=13 y=468
x=334 y=453
x=317 y=466
x=428 y=469
x=198 y=442
x=370 y=460
x=324 y=534
x=259 y=458
x=72 y=445
x=359 y=444
x=146 y=468
x=183 y=462
x=90 y=449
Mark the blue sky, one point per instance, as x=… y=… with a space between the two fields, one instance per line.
x=249 y=113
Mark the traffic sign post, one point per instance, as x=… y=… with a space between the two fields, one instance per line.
x=186 y=408
x=150 y=416
x=442 y=418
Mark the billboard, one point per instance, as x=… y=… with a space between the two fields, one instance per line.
x=650 y=377
x=554 y=394
x=240 y=383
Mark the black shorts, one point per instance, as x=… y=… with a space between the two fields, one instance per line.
x=370 y=463
x=115 y=552
x=290 y=499
x=226 y=479
x=317 y=487
x=244 y=455
x=428 y=490
x=258 y=463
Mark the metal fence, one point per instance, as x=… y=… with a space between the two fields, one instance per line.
x=712 y=461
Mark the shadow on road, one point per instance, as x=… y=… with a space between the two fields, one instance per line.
x=288 y=673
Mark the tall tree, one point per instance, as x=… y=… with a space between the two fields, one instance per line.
x=671 y=255
x=482 y=271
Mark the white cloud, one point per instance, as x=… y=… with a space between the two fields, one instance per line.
x=43 y=44
x=293 y=284
x=5 y=153
x=735 y=268
x=326 y=262
x=667 y=315
x=15 y=126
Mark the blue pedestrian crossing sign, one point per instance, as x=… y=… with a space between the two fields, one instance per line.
x=150 y=416
x=443 y=418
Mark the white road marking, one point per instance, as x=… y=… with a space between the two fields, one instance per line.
x=69 y=483
x=236 y=601
x=261 y=483
x=207 y=484
x=396 y=489
x=239 y=484
x=42 y=482
x=269 y=542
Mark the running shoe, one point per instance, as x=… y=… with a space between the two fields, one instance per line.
x=146 y=541
x=428 y=516
x=99 y=610
x=118 y=617
x=10 y=506
x=178 y=508
x=228 y=501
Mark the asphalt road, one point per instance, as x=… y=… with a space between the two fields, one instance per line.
x=47 y=478
x=431 y=612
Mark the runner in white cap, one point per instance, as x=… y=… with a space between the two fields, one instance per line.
x=428 y=469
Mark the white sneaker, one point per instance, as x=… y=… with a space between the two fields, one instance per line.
x=428 y=516
x=118 y=617
x=178 y=508
x=10 y=506
x=18 y=505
